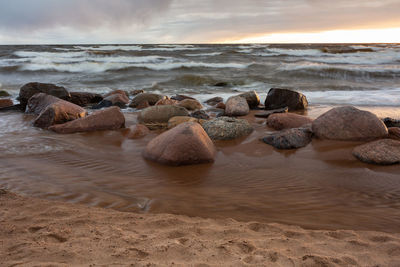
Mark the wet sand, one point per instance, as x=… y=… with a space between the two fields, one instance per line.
x=321 y=186
x=36 y=232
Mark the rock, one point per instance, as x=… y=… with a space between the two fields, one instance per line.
x=107 y=119
x=236 y=106
x=227 y=128
x=185 y=144
x=221 y=106
x=381 y=152
x=4 y=93
x=119 y=100
x=140 y=99
x=5 y=103
x=39 y=102
x=136 y=92
x=181 y=97
x=215 y=100
x=160 y=114
x=166 y=101
x=280 y=121
x=252 y=99
x=389 y=122
x=266 y=114
x=280 y=98
x=190 y=104
x=175 y=121
x=53 y=110
x=85 y=98
x=349 y=124
x=394 y=133
x=143 y=105
x=138 y=131
x=200 y=114
x=289 y=139
x=117 y=92
x=30 y=89
x=221 y=84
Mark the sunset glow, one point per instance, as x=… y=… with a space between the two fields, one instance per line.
x=390 y=35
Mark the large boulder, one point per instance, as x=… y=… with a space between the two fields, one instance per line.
x=119 y=100
x=85 y=98
x=140 y=99
x=236 y=106
x=280 y=121
x=160 y=114
x=227 y=128
x=252 y=98
x=107 y=119
x=381 y=152
x=30 y=89
x=289 y=139
x=52 y=110
x=349 y=124
x=185 y=144
x=281 y=98
x=190 y=104
x=5 y=103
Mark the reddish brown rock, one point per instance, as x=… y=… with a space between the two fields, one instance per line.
x=394 y=133
x=252 y=98
x=381 y=152
x=181 y=97
x=119 y=100
x=107 y=119
x=58 y=113
x=116 y=92
x=30 y=89
x=175 y=121
x=190 y=104
x=143 y=105
x=85 y=98
x=39 y=102
x=140 y=99
x=289 y=138
x=280 y=98
x=236 y=106
x=280 y=121
x=136 y=92
x=166 y=101
x=137 y=131
x=349 y=124
x=5 y=103
x=160 y=114
x=214 y=101
x=220 y=106
x=185 y=144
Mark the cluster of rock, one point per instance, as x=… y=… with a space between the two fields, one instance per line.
x=191 y=130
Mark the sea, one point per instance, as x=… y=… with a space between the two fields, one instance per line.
x=320 y=186
x=354 y=74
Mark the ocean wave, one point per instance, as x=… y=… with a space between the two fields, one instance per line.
x=291 y=52
x=204 y=54
x=111 y=48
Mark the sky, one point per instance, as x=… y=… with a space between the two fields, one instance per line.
x=198 y=21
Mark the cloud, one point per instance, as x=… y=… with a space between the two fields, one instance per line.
x=191 y=21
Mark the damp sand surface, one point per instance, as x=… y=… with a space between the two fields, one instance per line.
x=321 y=186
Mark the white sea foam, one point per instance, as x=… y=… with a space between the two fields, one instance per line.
x=204 y=54
x=322 y=66
x=111 y=48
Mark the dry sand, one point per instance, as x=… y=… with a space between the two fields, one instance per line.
x=35 y=232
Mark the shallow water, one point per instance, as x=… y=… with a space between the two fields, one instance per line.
x=320 y=186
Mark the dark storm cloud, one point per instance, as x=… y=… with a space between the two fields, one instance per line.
x=186 y=20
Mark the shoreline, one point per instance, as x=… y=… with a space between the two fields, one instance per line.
x=49 y=233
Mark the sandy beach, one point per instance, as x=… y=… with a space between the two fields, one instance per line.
x=36 y=232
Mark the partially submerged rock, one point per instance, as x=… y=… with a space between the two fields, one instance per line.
x=4 y=93
x=280 y=98
x=185 y=144
x=160 y=114
x=280 y=121
x=140 y=99
x=290 y=138
x=215 y=100
x=85 y=98
x=236 y=106
x=349 y=124
x=107 y=119
x=30 y=89
x=227 y=128
x=181 y=97
x=190 y=104
x=381 y=152
x=5 y=103
x=138 y=131
x=252 y=98
x=266 y=114
x=389 y=122
x=119 y=100
x=39 y=102
x=117 y=92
